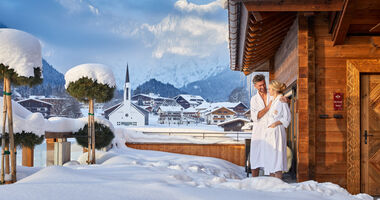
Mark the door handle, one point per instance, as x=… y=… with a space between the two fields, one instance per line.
x=366 y=135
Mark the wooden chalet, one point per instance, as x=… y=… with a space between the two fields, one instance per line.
x=328 y=54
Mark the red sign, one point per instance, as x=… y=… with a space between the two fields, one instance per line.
x=338 y=101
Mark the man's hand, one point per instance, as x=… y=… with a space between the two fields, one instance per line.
x=264 y=111
x=284 y=99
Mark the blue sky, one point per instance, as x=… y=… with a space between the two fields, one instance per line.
x=149 y=35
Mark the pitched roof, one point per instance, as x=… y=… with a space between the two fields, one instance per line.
x=221 y=108
x=190 y=98
x=171 y=108
x=233 y=120
x=31 y=99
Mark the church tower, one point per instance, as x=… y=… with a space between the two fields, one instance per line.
x=127 y=89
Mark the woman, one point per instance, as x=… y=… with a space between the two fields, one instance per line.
x=279 y=118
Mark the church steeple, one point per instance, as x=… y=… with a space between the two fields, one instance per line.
x=127 y=75
x=127 y=88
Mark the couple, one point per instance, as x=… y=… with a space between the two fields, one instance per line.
x=270 y=115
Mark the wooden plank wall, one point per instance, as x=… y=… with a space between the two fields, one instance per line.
x=331 y=77
x=234 y=153
x=306 y=100
x=286 y=58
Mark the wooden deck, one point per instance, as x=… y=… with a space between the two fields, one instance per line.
x=234 y=153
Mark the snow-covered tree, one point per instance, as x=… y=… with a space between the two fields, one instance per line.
x=20 y=64
x=88 y=83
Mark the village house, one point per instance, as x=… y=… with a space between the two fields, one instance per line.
x=151 y=101
x=126 y=113
x=170 y=114
x=219 y=115
x=37 y=105
x=328 y=55
x=234 y=124
x=187 y=100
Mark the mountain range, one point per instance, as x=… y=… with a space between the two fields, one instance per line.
x=211 y=79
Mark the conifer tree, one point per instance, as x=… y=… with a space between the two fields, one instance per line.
x=88 y=91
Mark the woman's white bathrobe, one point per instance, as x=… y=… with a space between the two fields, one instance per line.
x=258 y=128
x=274 y=147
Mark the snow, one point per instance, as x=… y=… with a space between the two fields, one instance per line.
x=97 y=72
x=232 y=120
x=20 y=51
x=125 y=173
x=170 y=108
x=123 y=135
x=24 y=120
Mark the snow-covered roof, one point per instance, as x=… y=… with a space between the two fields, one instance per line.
x=20 y=51
x=225 y=104
x=190 y=98
x=97 y=72
x=233 y=120
x=204 y=105
x=31 y=99
x=190 y=110
x=221 y=108
x=153 y=96
x=171 y=108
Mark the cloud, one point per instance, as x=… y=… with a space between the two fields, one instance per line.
x=76 y=6
x=184 y=5
x=188 y=36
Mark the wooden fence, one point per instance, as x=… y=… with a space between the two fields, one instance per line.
x=234 y=153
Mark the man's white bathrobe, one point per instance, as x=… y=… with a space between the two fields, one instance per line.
x=274 y=148
x=259 y=126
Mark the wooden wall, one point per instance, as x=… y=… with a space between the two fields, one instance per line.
x=331 y=77
x=320 y=70
x=234 y=153
x=286 y=58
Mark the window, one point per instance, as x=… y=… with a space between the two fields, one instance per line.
x=216 y=121
x=118 y=123
x=126 y=115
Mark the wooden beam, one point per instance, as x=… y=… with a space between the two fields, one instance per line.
x=58 y=134
x=260 y=16
x=375 y=28
x=244 y=20
x=340 y=32
x=294 y=5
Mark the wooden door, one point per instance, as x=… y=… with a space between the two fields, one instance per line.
x=370 y=134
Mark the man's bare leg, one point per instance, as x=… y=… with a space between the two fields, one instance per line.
x=255 y=172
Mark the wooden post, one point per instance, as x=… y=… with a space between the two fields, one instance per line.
x=89 y=131
x=10 y=129
x=92 y=132
x=3 y=138
x=27 y=156
x=7 y=158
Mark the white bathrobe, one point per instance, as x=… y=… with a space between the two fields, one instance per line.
x=259 y=126
x=275 y=138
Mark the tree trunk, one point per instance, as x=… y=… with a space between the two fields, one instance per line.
x=3 y=138
x=93 y=132
x=89 y=130
x=10 y=129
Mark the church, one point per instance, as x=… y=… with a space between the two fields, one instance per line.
x=127 y=113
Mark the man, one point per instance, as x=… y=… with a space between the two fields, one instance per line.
x=260 y=105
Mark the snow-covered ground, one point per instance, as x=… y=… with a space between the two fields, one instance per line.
x=126 y=173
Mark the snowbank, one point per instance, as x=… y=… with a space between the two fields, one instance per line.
x=125 y=173
x=97 y=72
x=20 y=51
x=24 y=120
x=123 y=135
x=63 y=124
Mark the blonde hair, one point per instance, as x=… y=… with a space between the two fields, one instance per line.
x=278 y=86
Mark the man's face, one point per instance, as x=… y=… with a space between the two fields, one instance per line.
x=261 y=86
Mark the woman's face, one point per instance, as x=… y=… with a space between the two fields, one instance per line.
x=272 y=92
